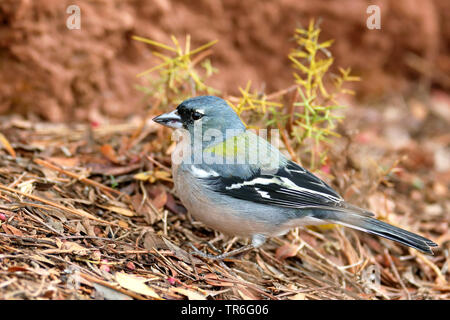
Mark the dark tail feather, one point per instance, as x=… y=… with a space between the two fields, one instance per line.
x=379 y=228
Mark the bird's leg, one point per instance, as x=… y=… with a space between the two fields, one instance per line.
x=257 y=241
x=209 y=244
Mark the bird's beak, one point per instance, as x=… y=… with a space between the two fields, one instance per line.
x=171 y=120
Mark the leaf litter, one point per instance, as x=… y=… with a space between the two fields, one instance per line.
x=96 y=218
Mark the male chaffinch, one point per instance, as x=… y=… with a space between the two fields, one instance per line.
x=238 y=183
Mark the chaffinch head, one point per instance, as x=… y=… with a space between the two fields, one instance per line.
x=238 y=183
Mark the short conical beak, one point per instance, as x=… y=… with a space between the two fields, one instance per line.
x=171 y=120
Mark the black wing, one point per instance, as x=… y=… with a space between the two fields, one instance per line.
x=291 y=186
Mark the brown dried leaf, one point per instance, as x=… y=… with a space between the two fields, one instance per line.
x=123 y=211
x=17 y=269
x=109 y=293
x=112 y=170
x=7 y=145
x=75 y=248
x=41 y=259
x=173 y=206
x=153 y=241
x=298 y=296
x=160 y=200
x=143 y=209
x=123 y=224
x=136 y=284
x=144 y=176
x=153 y=175
x=245 y=293
x=108 y=151
x=190 y=294
x=9 y=229
x=214 y=280
x=286 y=251
x=64 y=162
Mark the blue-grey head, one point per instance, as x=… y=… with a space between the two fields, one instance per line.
x=207 y=112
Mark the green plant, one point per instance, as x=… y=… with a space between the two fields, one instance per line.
x=307 y=120
x=316 y=119
x=179 y=76
x=257 y=103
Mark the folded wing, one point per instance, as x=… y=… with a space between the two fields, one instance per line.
x=290 y=186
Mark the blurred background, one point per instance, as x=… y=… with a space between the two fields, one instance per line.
x=60 y=74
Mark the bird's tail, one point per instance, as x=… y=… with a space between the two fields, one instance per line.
x=377 y=227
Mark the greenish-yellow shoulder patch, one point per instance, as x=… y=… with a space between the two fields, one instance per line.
x=231 y=147
x=247 y=148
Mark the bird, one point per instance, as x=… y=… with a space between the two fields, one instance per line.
x=236 y=182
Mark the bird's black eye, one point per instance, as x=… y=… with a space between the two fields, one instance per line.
x=196 y=115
